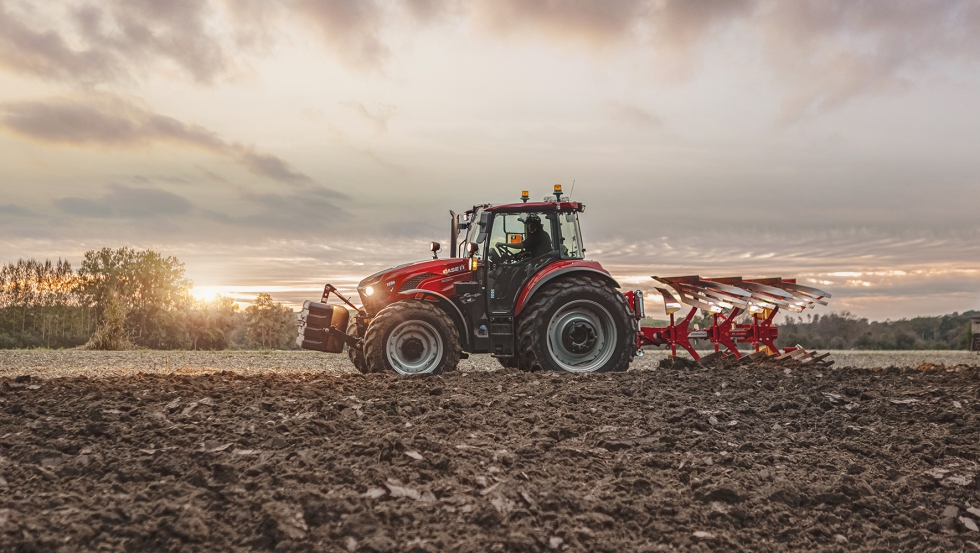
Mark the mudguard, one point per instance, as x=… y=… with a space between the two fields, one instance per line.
x=449 y=307
x=557 y=269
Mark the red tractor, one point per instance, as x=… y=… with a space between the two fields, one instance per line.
x=517 y=285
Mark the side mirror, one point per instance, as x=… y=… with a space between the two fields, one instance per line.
x=484 y=223
x=434 y=247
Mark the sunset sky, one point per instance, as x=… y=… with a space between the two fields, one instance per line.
x=277 y=145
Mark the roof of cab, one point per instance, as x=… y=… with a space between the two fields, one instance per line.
x=532 y=206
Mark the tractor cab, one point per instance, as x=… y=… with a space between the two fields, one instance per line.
x=515 y=247
x=514 y=242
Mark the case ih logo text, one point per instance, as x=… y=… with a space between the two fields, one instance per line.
x=455 y=269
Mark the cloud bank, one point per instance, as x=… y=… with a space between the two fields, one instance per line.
x=114 y=122
x=824 y=52
x=111 y=39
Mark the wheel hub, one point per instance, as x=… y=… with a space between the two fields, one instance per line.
x=412 y=349
x=579 y=337
x=582 y=336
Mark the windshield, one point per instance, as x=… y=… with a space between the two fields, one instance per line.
x=571 y=236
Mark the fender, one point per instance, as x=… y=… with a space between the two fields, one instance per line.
x=557 y=269
x=455 y=313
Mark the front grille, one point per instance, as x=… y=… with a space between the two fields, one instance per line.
x=414 y=282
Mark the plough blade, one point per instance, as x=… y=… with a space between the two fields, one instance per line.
x=707 y=359
x=727 y=299
x=819 y=358
x=671 y=305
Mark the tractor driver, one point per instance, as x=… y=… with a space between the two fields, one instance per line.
x=536 y=240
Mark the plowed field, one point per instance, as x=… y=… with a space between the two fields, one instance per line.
x=742 y=459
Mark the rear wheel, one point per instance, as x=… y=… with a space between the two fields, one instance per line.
x=577 y=324
x=412 y=337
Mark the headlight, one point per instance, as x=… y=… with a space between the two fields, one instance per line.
x=369 y=290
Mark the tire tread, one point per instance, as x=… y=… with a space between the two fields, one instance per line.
x=532 y=316
x=374 y=350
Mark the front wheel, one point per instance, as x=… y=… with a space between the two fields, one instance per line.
x=412 y=337
x=577 y=324
x=356 y=355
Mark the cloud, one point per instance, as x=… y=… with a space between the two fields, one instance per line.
x=120 y=209
x=102 y=121
x=633 y=115
x=46 y=53
x=112 y=39
x=350 y=29
x=120 y=40
x=830 y=51
x=429 y=11
x=125 y=202
x=312 y=115
x=149 y=180
x=673 y=31
x=111 y=121
x=824 y=52
x=310 y=210
x=378 y=118
x=268 y=165
x=13 y=210
x=594 y=21
x=254 y=22
x=679 y=30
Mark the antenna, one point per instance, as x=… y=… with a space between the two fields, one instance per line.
x=572 y=191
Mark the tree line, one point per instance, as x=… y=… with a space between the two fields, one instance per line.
x=126 y=298
x=845 y=331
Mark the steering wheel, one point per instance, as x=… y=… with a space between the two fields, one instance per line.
x=504 y=251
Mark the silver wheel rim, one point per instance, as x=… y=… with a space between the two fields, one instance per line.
x=571 y=331
x=414 y=347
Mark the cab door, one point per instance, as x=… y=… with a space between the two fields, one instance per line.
x=509 y=268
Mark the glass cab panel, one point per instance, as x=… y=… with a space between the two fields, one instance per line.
x=519 y=237
x=570 y=237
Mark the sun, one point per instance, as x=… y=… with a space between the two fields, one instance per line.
x=203 y=293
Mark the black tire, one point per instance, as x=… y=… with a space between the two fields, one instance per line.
x=356 y=355
x=563 y=296
x=438 y=347
x=508 y=362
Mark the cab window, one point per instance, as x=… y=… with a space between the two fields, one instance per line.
x=571 y=236
x=520 y=237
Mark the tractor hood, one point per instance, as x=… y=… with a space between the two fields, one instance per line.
x=383 y=287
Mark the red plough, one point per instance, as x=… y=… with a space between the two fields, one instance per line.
x=728 y=301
